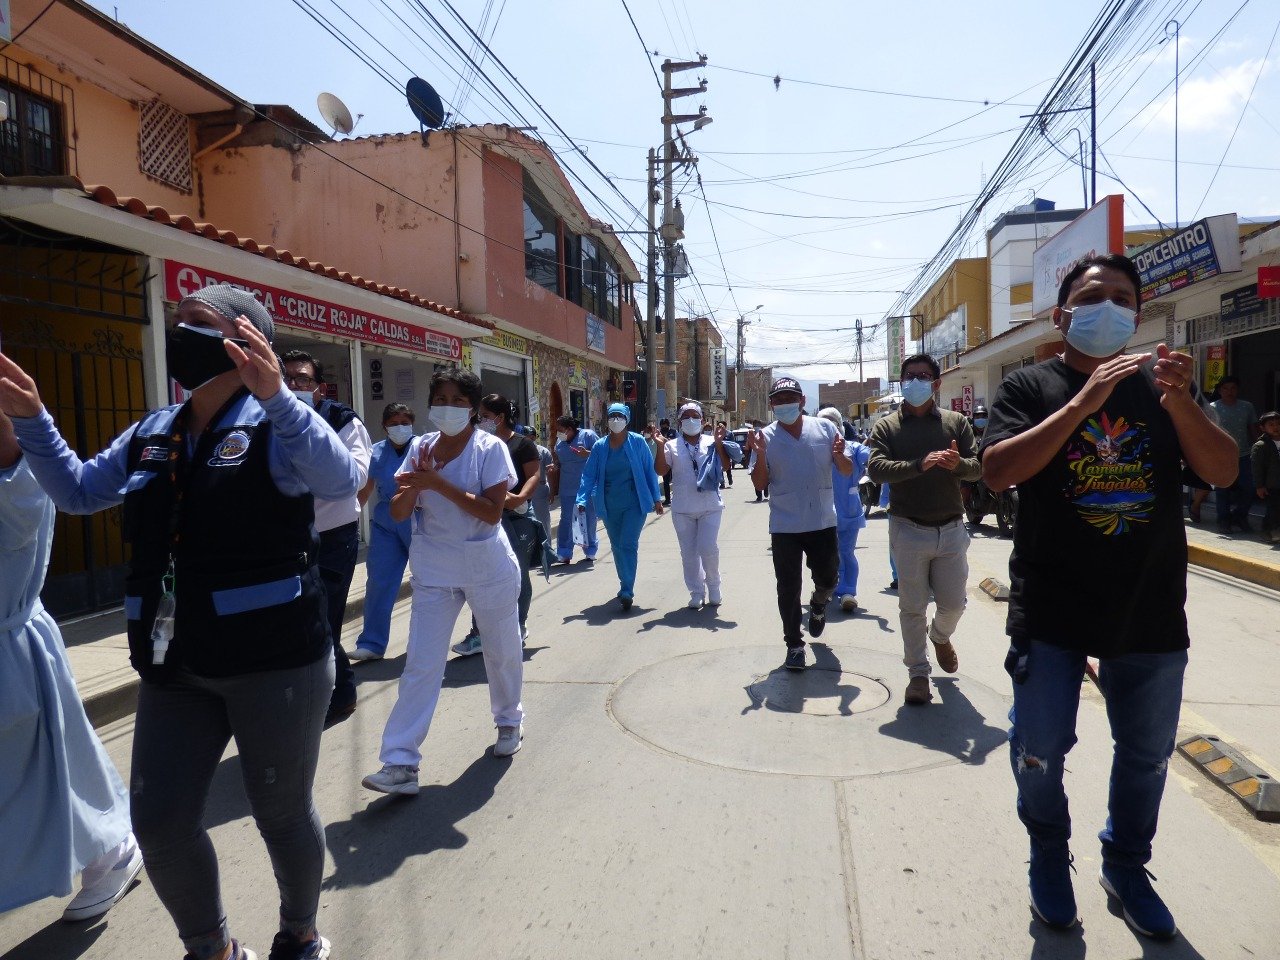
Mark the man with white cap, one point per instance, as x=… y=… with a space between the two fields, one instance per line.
x=696 y=464
x=794 y=456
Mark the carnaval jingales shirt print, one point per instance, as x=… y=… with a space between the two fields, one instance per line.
x=1111 y=479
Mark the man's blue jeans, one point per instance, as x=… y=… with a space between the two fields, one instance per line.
x=1143 y=692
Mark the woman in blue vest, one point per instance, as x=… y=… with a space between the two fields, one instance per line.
x=388 y=540
x=573 y=445
x=224 y=605
x=619 y=479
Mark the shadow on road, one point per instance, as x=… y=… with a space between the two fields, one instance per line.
x=603 y=614
x=953 y=726
x=783 y=691
x=60 y=941
x=1072 y=944
x=468 y=671
x=708 y=618
x=375 y=842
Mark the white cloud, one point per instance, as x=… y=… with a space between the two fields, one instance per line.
x=1207 y=104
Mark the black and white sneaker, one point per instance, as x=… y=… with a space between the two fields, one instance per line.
x=795 y=659
x=817 y=619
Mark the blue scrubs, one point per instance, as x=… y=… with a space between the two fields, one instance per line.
x=850 y=518
x=388 y=550
x=571 y=465
x=623 y=518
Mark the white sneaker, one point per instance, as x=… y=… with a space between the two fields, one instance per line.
x=101 y=896
x=393 y=778
x=713 y=596
x=524 y=635
x=509 y=740
x=468 y=646
x=361 y=655
x=848 y=603
x=695 y=601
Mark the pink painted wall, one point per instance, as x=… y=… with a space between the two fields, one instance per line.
x=105 y=137
x=511 y=295
x=316 y=206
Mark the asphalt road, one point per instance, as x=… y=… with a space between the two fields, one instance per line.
x=678 y=796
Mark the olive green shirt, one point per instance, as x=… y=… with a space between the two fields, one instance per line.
x=901 y=441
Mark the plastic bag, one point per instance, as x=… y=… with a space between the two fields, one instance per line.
x=579 y=527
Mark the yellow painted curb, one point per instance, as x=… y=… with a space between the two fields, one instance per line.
x=1233 y=565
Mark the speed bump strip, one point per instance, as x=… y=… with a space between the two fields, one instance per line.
x=1255 y=788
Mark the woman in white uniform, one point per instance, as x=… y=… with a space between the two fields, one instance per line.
x=696 y=507
x=453 y=484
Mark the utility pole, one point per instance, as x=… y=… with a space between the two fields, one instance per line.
x=651 y=312
x=862 y=380
x=671 y=230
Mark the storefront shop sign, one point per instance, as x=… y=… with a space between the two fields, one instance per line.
x=719 y=375
x=507 y=341
x=320 y=316
x=595 y=333
x=1240 y=304
x=577 y=375
x=1202 y=250
x=1215 y=367
x=1268 y=283
x=1097 y=231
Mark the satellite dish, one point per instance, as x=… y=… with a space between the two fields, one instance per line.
x=335 y=113
x=426 y=105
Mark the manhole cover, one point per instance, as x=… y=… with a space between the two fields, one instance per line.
x=843 y=717
x=818 y=691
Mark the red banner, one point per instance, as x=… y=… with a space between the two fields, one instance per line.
x=321 y=316
x=1268 y=283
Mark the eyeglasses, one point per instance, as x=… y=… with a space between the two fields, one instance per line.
x=922 y=377
x=300 y=380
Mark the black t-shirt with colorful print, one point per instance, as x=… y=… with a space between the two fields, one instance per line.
x=1099 y=560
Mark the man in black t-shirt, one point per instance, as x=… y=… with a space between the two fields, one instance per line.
x=1094 y=439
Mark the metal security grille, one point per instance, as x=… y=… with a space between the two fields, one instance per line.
x=164 y=144
x=35 y=139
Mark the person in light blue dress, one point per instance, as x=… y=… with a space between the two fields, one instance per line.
x=388 y=540
x=850 y=515
x=573 y=445
x=63 y=806
x=620 y=480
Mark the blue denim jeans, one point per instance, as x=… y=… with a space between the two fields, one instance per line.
x=1143 y=693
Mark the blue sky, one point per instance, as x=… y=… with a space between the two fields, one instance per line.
x=824 y=200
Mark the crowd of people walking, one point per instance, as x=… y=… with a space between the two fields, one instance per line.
x=241 y=507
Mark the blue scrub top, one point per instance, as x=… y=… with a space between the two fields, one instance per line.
x=619 y=485
x=571 y=464
x=383 y=466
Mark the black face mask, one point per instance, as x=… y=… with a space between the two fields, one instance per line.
x=195 y=357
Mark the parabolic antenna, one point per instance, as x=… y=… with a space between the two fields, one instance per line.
x=425 y=104
x=335 y=113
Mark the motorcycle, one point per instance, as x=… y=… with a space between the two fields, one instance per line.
x=980 y=500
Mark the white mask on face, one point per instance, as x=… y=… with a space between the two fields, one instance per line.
x=489 y=426
x=690 y=428
x=566 y=436
x=306 y=396
x=787 y=413
x=400 y=433
x=450 y=420
x=617 y=424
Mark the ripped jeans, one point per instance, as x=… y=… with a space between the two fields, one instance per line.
x=1143 y=694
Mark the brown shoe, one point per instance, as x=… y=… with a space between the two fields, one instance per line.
x=948 y=659
x=918 y=691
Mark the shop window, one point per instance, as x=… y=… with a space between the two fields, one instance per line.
x=572 y=266
x=32 y=141
x=541 y=251
x=164 y=145
x=589 y=295
x=611 y=293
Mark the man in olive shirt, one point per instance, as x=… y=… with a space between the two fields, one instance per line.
x=923 y=452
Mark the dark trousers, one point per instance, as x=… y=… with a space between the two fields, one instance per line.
x=821 y=553
x=1234 y=501
x=666 y=487
x=337 y=563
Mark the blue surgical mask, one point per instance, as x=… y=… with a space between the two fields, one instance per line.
x=917 y=392
x=400 y=433
x=1100 y=330
x=787 y=413
x=980 y=423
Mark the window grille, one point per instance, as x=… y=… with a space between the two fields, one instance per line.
x=164 y=144
x=38 y=137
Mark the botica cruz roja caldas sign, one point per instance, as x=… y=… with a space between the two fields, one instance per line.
x=304 y=312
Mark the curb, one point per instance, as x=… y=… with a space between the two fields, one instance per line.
x=116 y=697
x=1233 y=565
